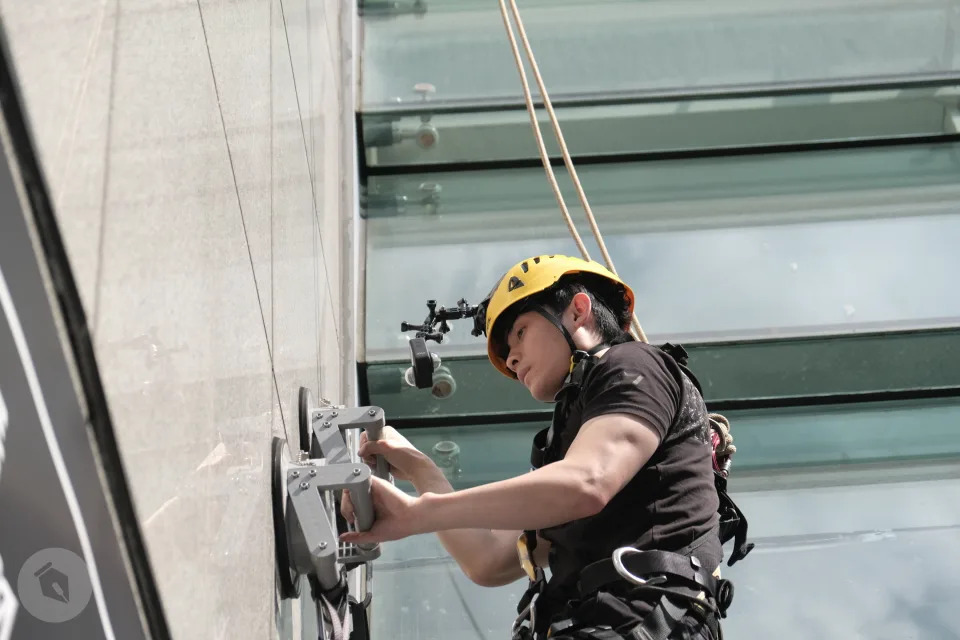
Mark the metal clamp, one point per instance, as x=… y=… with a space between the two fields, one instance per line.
x=304 y=503
x=314 y=543
x=323 y=429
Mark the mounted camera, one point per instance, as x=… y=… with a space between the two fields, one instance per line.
x=423 y=362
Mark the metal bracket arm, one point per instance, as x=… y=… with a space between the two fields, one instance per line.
x=312 y=537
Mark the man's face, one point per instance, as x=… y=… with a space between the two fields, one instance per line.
x=539 y=355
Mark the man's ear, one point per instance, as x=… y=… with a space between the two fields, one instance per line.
x=582 y=308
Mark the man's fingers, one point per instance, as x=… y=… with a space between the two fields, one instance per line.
x=369 y=450
x=346 y=507
x=373 y=448
x=357 y=537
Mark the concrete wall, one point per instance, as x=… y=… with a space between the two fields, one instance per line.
x=194 y=151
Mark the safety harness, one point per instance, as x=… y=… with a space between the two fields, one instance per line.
x=676 y=576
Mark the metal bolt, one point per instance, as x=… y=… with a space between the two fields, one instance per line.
x=356 y=471
x=334 y=414
x=313 y=472
x=326 y=424
x=304 y=485
x=372 y=412
x=295 y=474
x=323 y=545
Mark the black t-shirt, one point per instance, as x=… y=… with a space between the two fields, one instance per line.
x=672 y=501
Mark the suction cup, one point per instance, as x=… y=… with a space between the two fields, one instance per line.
x=307 y=409
x=286 y=579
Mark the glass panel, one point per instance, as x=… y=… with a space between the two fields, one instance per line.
x=425 y=135
x=889 y=523
x=866 y=366
x=856 y=561
x=627 y=49
x=766 y=439
x=742 y=247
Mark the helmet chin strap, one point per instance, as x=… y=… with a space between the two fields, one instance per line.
x=576 y=374
x=574 y=350
x=555 y=321
x=580 y=360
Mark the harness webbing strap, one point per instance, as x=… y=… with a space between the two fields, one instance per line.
x=733 y=524
x=659 y=623
x=647 y=563
x=662 y=621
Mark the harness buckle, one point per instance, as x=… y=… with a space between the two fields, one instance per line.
x=529 y=565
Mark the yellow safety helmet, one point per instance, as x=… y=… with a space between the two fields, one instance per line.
x=530 y=277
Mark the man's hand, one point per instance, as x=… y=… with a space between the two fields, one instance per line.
x=406 y=461
x=395 y=514
x=390 y=505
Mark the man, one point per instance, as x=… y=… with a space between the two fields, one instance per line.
x=626 y=465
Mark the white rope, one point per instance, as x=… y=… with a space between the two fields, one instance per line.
x=722 y=426
x=551 y=177
x=725 y=449
x=567 y=161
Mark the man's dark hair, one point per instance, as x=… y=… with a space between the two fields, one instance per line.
x=608 y=303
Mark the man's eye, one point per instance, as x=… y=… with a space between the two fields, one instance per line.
x=519 y=334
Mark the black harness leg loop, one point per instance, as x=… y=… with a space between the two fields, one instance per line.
x=659 y=623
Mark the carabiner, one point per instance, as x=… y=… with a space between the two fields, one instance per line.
x=626 y=574
x=528 y=613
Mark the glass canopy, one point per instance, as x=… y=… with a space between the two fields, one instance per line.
x=780 y=184
x=440 y=86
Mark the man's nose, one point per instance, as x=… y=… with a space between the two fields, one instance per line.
x=512 y=362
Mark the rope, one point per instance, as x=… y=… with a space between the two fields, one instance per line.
x=722 y=440
x=340 y=621
x=551 y=177
x=567 y=161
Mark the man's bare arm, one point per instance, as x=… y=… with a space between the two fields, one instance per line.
x=606 y=453
x=488 y=557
